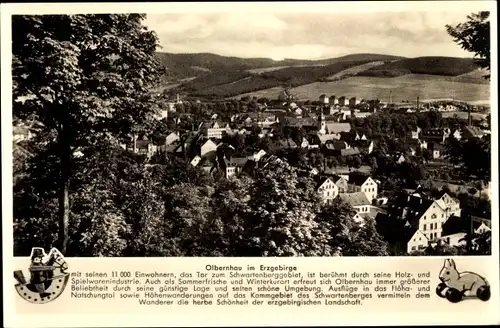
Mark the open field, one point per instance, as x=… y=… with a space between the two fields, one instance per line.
x=407 y=87
x=355 y=70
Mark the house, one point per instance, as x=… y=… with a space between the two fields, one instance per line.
x=472 y=132
x=457 y=134
x=171 y=138
x=334 y=100
x=324 y=99
x=304 y=143
x=342 y=101
x=350 y=152
x=341 y=182
x=162 y=114
x=365 y=146
x=402 y=236
x=283 y=144
x=207 y=147
x=266 y=132
x=415 y=134
x=214 y=129
x=233 y=166
x=426 y=214
x=456 y=228
x=346 y=112
x=353 y=102
x=257 y=156
x=437 y=150
x=144 y=147
x=337 y=128
x=324 y=138
x=336 y=145
x=357 y=200
x=365 y=184
x=195 y=161
x=416 y=144
x=450 y=204
x=399 y=158
x=327 y=188
x=436 y=135
x=208 y=166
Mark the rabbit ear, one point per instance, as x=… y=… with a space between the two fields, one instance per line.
x=446 y=263
x=452 y=264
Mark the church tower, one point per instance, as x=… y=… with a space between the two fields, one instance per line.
x=321 y=121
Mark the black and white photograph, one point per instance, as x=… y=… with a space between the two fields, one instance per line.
x=252 y=134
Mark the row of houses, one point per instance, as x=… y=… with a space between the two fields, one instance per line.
x=359 y=191
x=439 y=135
x=414 y=220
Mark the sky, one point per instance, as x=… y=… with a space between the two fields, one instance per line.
x=308 y=35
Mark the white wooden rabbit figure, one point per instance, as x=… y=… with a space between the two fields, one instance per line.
x=456 y=285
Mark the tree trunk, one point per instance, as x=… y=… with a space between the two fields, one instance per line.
x=64 y=197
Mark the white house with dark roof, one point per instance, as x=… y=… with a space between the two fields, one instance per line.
x=207 y=147
x=456 y=228
x=327 y=188
x=364 y=184
x=214 y=129
x=357 y=200
x=233 y=166
x=425 y=214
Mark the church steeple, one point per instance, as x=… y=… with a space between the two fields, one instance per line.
x=321 y=121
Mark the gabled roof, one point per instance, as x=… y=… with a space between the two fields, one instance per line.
x=336 y=144
x=355 y=198
x=358 y=179
x=394 y=231
x=349 y=152
x=335 y=178
x=456 y=224
x=320 y=180
x=474 y=131
x=237 y=161
x=323 y=138
x=409 y=207
x=334 y=127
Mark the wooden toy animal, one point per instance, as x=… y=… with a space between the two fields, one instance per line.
x=457 y=285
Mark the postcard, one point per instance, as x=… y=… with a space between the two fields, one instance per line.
x=250 y=164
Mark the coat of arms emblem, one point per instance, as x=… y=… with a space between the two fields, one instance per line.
x=48 y=277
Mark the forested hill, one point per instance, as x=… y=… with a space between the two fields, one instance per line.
x=211 y=75
x=190 y=65
x=445 y=66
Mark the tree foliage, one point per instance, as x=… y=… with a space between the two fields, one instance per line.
x=474 y=36
x=84 y=78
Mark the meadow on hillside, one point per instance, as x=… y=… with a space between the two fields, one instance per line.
x=407 y=87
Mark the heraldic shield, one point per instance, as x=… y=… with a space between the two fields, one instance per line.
x=48 y=277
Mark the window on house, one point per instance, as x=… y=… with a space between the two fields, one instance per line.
x=425 y=227
x=413 y=248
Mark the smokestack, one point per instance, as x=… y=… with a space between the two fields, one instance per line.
x=390 y=97
x=469 y=118
x=418 y=103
